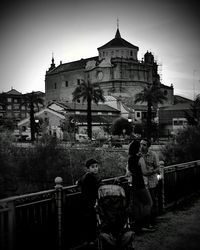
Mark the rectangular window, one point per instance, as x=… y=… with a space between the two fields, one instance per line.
x=16 y=114
x=138 y=114
x=23 y=128
x=9 y=107
x=9 y=99
x=55 y=85
x=175 y=122
x=66 y=84
x=9 y=114
x=16 y=106
x=78 y=81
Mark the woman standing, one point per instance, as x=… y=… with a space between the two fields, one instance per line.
x=142 y=201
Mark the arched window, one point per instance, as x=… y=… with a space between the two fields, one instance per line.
x=165 y=92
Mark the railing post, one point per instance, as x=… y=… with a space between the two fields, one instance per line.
x=11 y=225
x=161 y=191
x=59 y=187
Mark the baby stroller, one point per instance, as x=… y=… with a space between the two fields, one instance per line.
x=112 y=219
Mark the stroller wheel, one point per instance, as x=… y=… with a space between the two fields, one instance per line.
x=130 y=246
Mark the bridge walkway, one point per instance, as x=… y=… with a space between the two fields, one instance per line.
x=177 y=229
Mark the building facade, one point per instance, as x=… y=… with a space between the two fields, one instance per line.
x=173 y=118
x=116 y=68
x=54 y=118
x=14 y=106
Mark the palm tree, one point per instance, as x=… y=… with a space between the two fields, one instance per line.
x=152 y=95
x=88 y=92
x=33 y=100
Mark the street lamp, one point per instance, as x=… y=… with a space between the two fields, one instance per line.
x=129 y=119
x=37 y=128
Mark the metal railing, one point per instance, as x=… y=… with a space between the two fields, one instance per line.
x=53 y=218
x=180 y=180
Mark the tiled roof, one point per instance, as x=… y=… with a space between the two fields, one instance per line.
x=13 y=92
x=95 y=107
x=180 y=99
x=118 y=42
x=83 y=107
x=75 y=65
x=129 y=102
x=178 y=106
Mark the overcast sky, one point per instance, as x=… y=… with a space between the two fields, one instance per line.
x=31 y=30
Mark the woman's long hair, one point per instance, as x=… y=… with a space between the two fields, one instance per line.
x=134 y=148
x=133 y=153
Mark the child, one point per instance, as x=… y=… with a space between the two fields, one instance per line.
x=89 y=184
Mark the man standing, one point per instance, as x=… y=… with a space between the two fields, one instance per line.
x=152 y=165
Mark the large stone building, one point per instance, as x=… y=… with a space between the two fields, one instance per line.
x=116 y=68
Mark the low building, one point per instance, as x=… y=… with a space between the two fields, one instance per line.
x=173 y=118
x=102 y=116
x=53 y=118
x=49 y=122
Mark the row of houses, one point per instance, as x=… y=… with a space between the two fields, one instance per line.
x=56 y=114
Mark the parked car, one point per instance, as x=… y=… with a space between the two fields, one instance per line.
x=83 y=138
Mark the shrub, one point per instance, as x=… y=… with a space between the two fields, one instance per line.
x=8 y=169
x=185 y=148
x=121 y=124
x=35 y=168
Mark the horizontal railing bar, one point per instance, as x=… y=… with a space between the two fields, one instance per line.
x=182 y=164
x=14 y=198
x=33 y=203
x=3 y=210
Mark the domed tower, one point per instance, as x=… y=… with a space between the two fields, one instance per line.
x=118 y=48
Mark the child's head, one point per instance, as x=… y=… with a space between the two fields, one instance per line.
x=92 y=166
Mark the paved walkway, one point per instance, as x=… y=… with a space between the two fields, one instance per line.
x=176 y=230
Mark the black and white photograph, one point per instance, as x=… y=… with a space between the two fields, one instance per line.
x=100 y=124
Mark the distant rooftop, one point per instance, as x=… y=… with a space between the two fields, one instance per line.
x=180 y=99
x=80 y=64
x=13 y=92
x=83 y=107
